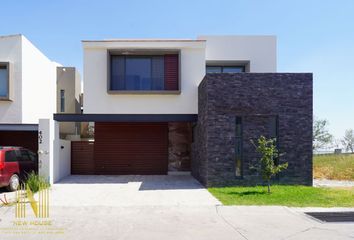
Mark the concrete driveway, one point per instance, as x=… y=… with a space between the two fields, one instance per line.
x=161 y=207
x=131 y=190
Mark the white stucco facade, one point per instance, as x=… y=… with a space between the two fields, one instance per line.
x=32 y=82
x=257 y=53
x=98 y=100
x=10 y=51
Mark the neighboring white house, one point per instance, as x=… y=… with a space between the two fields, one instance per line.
x=27 y=90
x=28 y=82
x=68 y=99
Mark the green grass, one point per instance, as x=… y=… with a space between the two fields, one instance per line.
x=334 y=166
x=292 y=196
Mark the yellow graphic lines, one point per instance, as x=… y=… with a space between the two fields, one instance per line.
x=40 y=208
x=43 y=203
x=20 y=211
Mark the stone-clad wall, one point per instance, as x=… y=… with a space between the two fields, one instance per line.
x=257 y=98
x=179 y=146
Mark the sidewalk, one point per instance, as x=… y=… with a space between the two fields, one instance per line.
x=332 y=183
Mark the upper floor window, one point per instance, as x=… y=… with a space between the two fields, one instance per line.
x=4 y=81
x=225 y=69
x=62 y=100
x=144 y=73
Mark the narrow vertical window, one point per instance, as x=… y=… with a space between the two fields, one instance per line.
x=62 y=100
x=273 y=133
x=4 y=80
x=273 y=127
x=238 y=148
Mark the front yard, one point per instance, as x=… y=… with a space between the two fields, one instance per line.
x=334 y=166
x=292 y=196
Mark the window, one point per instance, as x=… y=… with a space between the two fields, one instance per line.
x=144 y=72
x=32 y=156
x=62 y=100
x=273 y=132
x=273 y=127
x=4 y=81
x=10 y=156
x=225 y=69
x=238 y=148
x=24 y=155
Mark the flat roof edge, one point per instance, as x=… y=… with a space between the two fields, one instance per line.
x=125 y=117
x=145 y=40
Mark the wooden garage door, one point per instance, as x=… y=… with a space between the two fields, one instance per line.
x=131 y=148
x=26 y=139
x=82 y=158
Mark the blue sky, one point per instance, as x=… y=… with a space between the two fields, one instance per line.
x=313 y=35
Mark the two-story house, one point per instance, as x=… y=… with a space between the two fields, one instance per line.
x=167 y=106
x=29 y=82
x=27 y=87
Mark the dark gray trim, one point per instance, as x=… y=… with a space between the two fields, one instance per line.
x=7 y=65
x=125 y=117
x=18 y=127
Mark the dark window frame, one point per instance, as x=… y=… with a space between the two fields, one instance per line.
x=7 y=66
x=243 y=67
x=142 y=52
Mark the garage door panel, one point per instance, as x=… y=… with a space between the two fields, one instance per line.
x=131 y=148
x=82 y=158
x=26 y=139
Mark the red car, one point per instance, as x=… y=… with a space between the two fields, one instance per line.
x=15 y=164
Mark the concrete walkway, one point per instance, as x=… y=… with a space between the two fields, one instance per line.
x=332 y=183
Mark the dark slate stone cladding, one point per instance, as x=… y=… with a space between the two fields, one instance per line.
x=256 y=97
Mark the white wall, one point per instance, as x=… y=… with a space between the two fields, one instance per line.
x=32 y=82
x=62 y=165
x=10 y=51
x=48 y=148
x=260 y=51
x=38 y=84
x=97 y=100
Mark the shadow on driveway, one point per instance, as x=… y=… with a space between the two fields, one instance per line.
x=147 y=182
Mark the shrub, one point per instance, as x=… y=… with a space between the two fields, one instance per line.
x=36 y=182
x=269 y=152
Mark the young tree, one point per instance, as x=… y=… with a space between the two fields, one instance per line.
x=321 y=135
x=267 y=148
x=348 y=140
